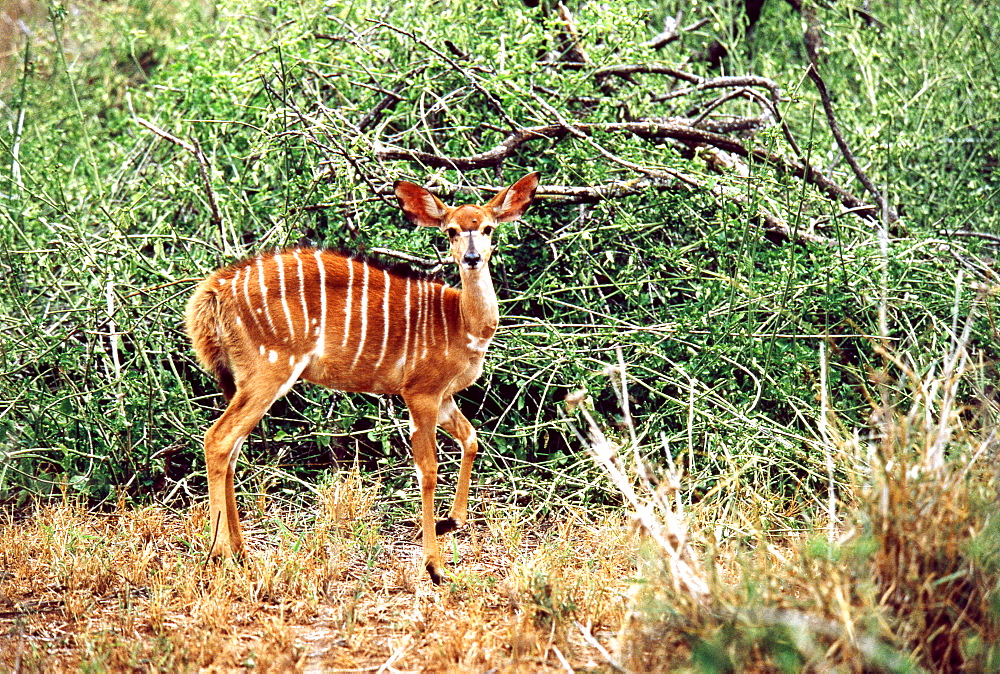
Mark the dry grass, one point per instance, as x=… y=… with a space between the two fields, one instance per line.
x=905 y=577
x=130 y=590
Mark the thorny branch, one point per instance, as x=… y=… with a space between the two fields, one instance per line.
x=373 y=141
x=203 y=166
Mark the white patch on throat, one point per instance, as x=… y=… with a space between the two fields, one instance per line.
x=478 y=344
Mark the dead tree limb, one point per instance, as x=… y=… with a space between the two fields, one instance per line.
x=813 y=42
x=674 y=129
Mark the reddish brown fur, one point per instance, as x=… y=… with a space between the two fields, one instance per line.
x=346 y=365
x=261 y=324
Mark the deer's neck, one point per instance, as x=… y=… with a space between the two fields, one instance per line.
x=478 y=304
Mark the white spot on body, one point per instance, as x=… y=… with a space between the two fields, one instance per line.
x=272 y=356
x=262 y=350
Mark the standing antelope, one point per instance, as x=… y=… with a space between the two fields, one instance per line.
x=262 y=324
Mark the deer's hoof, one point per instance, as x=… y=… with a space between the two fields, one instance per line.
x=445 y=525
x=435 y=572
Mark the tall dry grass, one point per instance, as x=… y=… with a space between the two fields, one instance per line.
x=900 y=572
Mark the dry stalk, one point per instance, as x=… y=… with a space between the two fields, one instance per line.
x=660 y=517
x=813 y=42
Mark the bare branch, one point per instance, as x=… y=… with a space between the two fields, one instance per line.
x=204 y=168
x=675 y=129
x=671 y=32
x=813 y=42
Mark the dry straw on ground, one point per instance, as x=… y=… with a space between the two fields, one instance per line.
x=129 y=590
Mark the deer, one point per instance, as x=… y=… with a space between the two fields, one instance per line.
x=355 y=325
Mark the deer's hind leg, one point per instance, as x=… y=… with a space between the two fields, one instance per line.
x=253 y=397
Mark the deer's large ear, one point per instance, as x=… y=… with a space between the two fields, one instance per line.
x=422 y=207
x=512 y=202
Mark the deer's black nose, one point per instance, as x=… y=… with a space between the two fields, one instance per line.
x=472 y=258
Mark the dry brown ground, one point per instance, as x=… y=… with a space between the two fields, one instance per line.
x=131 y=591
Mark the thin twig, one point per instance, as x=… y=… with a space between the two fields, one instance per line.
x=497 y=106
x=590 y=639
x=204 y=168
x=968 y=233
x=412 y=259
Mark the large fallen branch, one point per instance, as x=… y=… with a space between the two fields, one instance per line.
x=698 y=124
x=681 y=133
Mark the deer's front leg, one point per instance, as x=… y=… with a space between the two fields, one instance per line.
x=451 y=419
x=423 y=427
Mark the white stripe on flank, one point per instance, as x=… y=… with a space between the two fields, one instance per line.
x=246 y=298
x=385 y=319
x=284 y=298
x=350 y=297
x=425 y=312
x=236 y=278
x=364 y=317
x=321 y=338
x=263 y=294
x=406 y=323
x=444 y=320
x=302 y=293
x=419 y=323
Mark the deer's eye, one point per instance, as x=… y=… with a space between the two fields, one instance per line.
x=488 y=230
x=452 y=232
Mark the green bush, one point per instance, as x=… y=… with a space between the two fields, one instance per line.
x=107 y=225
